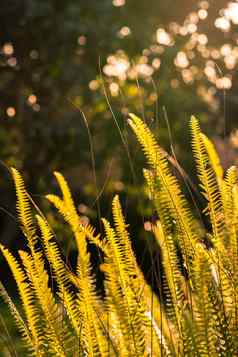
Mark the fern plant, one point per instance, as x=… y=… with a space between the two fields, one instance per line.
x=199 y=315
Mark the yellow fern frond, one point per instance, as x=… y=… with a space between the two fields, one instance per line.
x=174 y=278
x=67 y=197
x=61 y=273
x=33 y=315
x=59 y=205
x=203 y=313
x=24 y=209
x=207 y=177
x=39 y=279
x=142 y=293
x=74 y=220
x=20 y=323
x=213 y=157
x=122 y=293
x=171 y=195
x=123 y=235
x=90 y=308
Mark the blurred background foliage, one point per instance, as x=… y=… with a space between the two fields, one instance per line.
x=70 y=71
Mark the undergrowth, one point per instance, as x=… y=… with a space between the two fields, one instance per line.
x=199 y=313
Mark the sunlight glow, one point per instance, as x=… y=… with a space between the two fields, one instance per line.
x=8 y=49
x=12 y=61
x=210 y=72
x=82 y=40
x=191 y=28
x=202 y=39
x=32 y=99
x=11 y=112
x=144 y=70
x=230 y=62
x=187 y=75
x=223 y=24
x=36 y=107
x=93 y=85
x=124 y=32
x=119 y=3
x=204 y=4
x=223 y=83
x=194 y=59
x=116 y=67
x=156 y=63
x=234 y=139
x=226 y=49
x=114 y=89
x=163 y=37
x=231 y=12
x=181 y=60
x=202 y=14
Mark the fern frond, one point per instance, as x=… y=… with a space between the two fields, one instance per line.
x=166 y=183
x=28 y=300
x=121 y=295
x=223 y=271
x=90 y=307
x=213 y=157
x=20 y=323
x=88 y=230
x=205 y=168
x=203 y=312
x=123 y=236
x=176 y=295
x=230 y=214
x=61 y=273
x=24 y=209
x=67 y=197
x=39 y=279
x=142 y=293
x=59 y=205
x=222 y=327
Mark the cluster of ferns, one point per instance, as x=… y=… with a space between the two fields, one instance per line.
x=199 y=315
